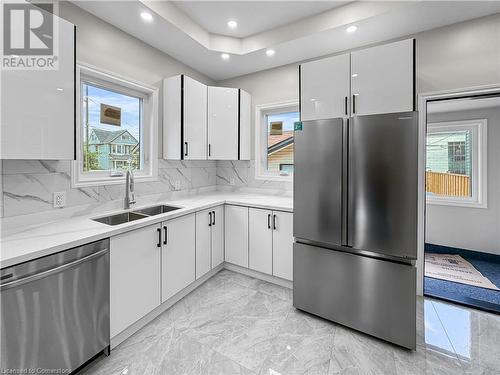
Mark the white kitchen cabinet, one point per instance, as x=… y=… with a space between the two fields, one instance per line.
x=383 y=78
x=134 y=276
x=184 y=119
x=260 y=240
x=283 y=245
x=38 y=113
x=222 y=123
x=236 y=235
x=245 y=125
x=217 y=236
x=209 y=240
x=325 y=88
x=178 y=255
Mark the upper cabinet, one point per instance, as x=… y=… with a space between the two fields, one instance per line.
x=324 y=88
x=184 y=119
x=369 y=81
x=38 y=106
x=382 y=78
x=228 y=124
x=201 y=123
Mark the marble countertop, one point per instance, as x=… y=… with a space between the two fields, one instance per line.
x=35 y=241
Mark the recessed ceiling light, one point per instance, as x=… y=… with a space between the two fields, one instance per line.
x=232 y=24
x=59 y=89
x=146 y=16
x=225 y=56
x=270 y=52
x=351 y=29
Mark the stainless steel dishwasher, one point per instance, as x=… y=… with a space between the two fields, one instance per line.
x=55 y=310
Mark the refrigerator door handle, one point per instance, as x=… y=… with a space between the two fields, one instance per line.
x=345 y=177
x=349 y=185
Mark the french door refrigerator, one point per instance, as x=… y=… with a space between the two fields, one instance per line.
x=355 y=223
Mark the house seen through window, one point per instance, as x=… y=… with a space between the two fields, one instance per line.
x=280 y=142
x=111 y=124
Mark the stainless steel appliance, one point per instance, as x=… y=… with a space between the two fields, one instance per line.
x=355 y=223
x=55 y=310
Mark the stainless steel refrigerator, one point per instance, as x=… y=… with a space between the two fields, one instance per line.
x=355 y=223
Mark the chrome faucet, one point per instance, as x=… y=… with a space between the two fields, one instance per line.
x=129 y=190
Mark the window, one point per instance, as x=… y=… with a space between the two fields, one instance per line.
x=274 y=140
x=115 y=116
x=456 y=163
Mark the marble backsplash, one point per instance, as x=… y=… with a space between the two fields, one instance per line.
x=27 y=186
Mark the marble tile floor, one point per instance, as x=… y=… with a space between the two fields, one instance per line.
x=234 y=324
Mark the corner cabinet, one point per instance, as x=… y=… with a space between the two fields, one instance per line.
x=236 y=230
x=184 y=119
x=382 y=78
x=228 y=124
x=209 y=240
x=38 y=106
x=368 y=81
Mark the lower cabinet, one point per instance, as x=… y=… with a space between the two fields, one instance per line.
x=178 y=255
x=134 y=276
x=209 y=239
x=271 y=242
x=236 y=235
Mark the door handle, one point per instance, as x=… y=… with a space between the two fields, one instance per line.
x=268 y=221
x=185 y=149
x=354 y=104
x=274 y=222
x=210 y=219
x=159 y=237
x=345 y=104
x=213 y=222
x=165 y=233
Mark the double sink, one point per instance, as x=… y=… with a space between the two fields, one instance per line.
x=126 y=217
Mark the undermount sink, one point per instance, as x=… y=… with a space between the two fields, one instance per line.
x=126 y=217
x=156 y=210
x=122 y=218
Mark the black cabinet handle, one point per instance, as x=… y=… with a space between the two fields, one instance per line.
x=213 y=222
x=165 y=234
x=268 y=221
x=274 y=222
x=209 y=150
x=185 y=149
x=159 y=237
x=210 y=219
x=354 y=104
x=345 y=104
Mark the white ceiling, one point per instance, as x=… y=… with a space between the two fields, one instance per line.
x=252 y=16
x=180 y=36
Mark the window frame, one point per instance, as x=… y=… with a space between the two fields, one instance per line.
x=149 y=131
x=261 y=113
x=479 y=151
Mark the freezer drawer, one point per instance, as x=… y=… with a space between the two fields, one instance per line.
x=374 y=296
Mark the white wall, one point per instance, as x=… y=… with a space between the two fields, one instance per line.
x=460 y=55
x=471 y=228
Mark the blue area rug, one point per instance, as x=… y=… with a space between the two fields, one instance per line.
x=487 y=264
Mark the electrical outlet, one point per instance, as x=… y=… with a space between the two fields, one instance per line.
x=59 y=199
x=177 y=185
x=231 y=181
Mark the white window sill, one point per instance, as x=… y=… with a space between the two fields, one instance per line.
x=456 y=203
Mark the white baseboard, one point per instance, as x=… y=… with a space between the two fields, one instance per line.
x=122 y=336
x=259 y=275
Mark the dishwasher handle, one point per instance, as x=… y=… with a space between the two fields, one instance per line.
x=52 y=271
